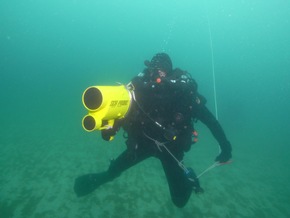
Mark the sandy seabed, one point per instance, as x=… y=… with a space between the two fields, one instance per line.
x=37 y=177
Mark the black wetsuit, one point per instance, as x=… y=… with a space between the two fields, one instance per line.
x=164 y=112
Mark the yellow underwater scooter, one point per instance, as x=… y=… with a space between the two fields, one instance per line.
x=105 y=104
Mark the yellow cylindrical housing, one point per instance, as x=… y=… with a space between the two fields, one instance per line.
x=105 y=103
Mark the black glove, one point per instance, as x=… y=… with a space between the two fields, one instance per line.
x=107 y=134
x=224 y=156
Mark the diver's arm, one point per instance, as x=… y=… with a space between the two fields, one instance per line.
x=206 y=117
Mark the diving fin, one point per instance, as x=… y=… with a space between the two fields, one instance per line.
x=86 y=184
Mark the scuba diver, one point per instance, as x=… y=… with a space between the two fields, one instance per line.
x=160 y=124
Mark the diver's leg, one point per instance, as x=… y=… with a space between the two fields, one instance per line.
x=179 y=185
x=126 y=160
x=88 y=183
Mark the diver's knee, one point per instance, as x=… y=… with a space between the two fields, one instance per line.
x=179 y=202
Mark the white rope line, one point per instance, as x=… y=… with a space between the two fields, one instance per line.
x=162 y=144
x=208 y=169
x=182 y=166
x=212 y=62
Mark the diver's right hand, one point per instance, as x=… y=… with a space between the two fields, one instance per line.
x=107 y=134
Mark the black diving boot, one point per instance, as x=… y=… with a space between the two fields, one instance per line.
x=86 y=184
x=194 y=181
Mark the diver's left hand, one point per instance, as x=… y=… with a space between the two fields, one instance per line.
x=223 y=157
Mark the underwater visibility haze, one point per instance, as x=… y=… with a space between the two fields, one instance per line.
x=238 y=51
